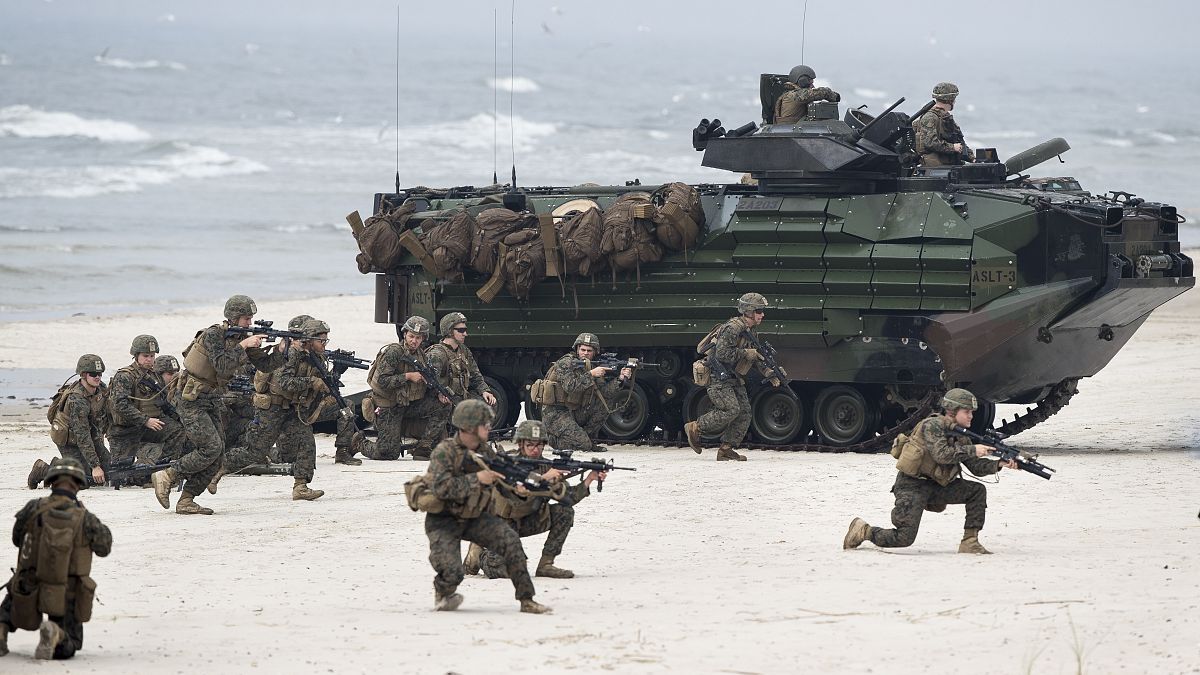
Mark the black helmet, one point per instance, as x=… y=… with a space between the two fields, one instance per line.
x=802 y=72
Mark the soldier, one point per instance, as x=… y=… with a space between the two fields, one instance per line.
x=575 y=407
x=929 y=479
x=135 y=400
x=454 y=362
x=457 y=479
x=793 y=105
x=86 y=409
x=56 y=583
x=211 y=361
x=532 y=515
x=730 y=413
x=939 y=139
x=297 y=397
x=401 y=395
x=166 y=369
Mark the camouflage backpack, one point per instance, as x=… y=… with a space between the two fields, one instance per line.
x=679 y=216
x=56 y=415
x=379 y=242
x=628 y=238
x=446 y=245
x=579 y=241
x=524 y=262
x=492 y=226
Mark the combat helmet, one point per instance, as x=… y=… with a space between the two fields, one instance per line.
x=89 y=363
x=313 y=327
x=239 y=305
x=801 y=72
x=959 y=398
x=588 y=339
x=65 y=466
x=471 y=413
x=449 y=322
x=297 y=322
x=750 y=302
x=143 y=344
x=945 y=92
x=530 y=430
x=416 y=324
x=166 y=364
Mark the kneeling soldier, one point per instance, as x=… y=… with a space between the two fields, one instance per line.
x=929 y=479
x=135 y=401
x=50 y=579
x=575 y=397
x=401 y=395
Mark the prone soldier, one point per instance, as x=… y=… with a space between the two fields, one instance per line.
x=792 y=106
x=939 y=139
x=51 y=578
x=136 y=399
x=455 y=364
x=400 y=395
x=929 y=467
x=574 y=397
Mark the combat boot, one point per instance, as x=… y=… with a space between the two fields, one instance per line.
x=344 y=456
x=188 y=506
x=163 y=480
x=599 y=448
x=471 y=562
x=51 y=635
x=692 y=429
x=221 y=473
x=301 y=491
x=3 y=639
x=970 y=543
x=447 y=603
x=546 y=568
x=530 y=606
x=859 y=532
x=37 y=474
x=726 y=453
x=422 y=452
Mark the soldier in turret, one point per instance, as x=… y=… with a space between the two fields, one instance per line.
x=577 y=399
x=929 y=477
x=792 y=106
x=135 y=399
x=939 y=139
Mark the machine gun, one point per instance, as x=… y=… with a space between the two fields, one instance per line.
x=343 y=360
x=572 y=467
x=263 y=327
x=430 y=375
x=126 y=471
x=241 y=384
x=1024 y=460
x=770 y=360
x=613 y=364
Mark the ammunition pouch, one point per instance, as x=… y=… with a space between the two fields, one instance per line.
x=85 y=596
x=262 y=401
x=419 y=494
x=368 y=408
x=59 y=429
x=478 y=502
x=743 y=366
x=193 y=388
x=909 y=456
x=701 y=374
x=547 y=392
x=52 y=598
x=24 y=592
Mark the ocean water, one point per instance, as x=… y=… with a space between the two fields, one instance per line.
x=164 y=159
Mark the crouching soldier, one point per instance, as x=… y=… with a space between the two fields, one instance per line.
x=929 y=478
x=135 y=400
x=56 y=536
x=400 y=396
x=530 y=515
x=463 y=484
x=575 y=396
x=79 y=418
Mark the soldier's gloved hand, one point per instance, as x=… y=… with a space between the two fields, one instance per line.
x=487 y=476
x=753 y=354
x=319 y=386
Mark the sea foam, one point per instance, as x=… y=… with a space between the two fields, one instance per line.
x=23 y=121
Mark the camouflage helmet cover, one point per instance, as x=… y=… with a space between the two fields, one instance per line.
x=959 y=398
x=416 y=324
x=314 y=327
x=945 y=92
x=471 y=413
x=89 y=363
x=588 y=339
x=65 y=466
x=450 y=321
x=297 y=322
x=530 y=430
x=239 y=305
x=166 y=364
x=801 y=72
x=143 y=344
x=750 y=302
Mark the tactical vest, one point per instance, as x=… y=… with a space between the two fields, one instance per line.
x=742 y=365
x=408 y=392
x=949 y=131
x=202 y=377
x=914 y=459
x=145 y=400
x=467 y=462
x=458 y=368
x=288 y=399
x=548 y=391
x=60 y=430
x=55 y=550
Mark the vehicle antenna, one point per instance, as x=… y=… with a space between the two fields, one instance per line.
x=397 y=98
x=512 y=76
x=495 y=94
x=803 y=26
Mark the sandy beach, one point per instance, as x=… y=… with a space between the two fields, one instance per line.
x=684 y=566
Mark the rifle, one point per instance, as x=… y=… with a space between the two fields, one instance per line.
x=241 y=384
x=263 y=327
x=160 y=395
x=613 y=364
x=769 y=359
x=573 y=467
x=513 y=472
x=331 y=381
x=430 y=376
x=343 y=359
x=1024 y=460
x=122 y=472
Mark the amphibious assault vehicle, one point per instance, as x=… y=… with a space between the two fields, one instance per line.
x=888 y=283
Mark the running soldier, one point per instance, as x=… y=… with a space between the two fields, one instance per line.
x=136 y=396
x=401 y=396
x=576 y=398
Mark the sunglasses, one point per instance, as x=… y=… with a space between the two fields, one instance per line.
x=92 y=374
x=760 y=311
x=460 y=330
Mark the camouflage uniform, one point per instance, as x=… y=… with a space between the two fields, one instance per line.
x=239 y=414
x=730 y=413
x=393 y=395
x=452 y=472
x=535 y=515
x=93 y=533
x=936 y=134
x=575 y=425
x=793 y=105
x=87 y=420
x=944 y=486
x=457 y=370
x=133 y=399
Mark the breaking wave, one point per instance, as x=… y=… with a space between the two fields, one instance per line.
x=475 y=133
x=22 y=121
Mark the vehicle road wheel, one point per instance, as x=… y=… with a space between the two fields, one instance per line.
x=777 y=418
x=842 y=416
x=506 y=412
x=628 y=420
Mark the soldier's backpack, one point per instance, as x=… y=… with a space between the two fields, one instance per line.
x=524 y=262
x=446 y=245
x=418 y=492
x=679 y=216
x=579 y=238
x=379 y=242
x=629 y=239
x=56 y=414
x=491 y=227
